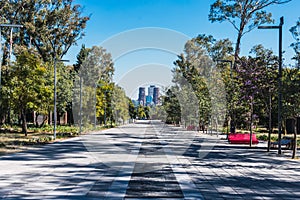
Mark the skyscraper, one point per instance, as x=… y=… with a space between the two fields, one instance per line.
x=155 y=95
x=151 y=90
x=142 y=96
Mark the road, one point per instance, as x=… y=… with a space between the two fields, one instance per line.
x=148 y=160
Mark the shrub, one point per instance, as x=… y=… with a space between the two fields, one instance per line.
x=262 y=137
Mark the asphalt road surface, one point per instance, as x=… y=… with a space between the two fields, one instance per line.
x=148 y=160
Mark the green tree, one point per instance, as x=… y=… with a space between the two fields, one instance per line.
x=64 y=89
x=291 y=98
x=51 y=27
x=295 y=31
x=95 y=77
x=141 y=112
x=268 y=63
x=243 y=15
x=171 y=106
x=82 y=55
x=131 y=109
x=29 y=85
x=120 y=105
x=195 y=70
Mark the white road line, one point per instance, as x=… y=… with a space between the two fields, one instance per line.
x=186 y=184
x=119 y=186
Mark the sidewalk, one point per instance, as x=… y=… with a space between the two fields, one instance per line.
x=232 y=171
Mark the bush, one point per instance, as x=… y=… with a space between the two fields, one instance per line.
x=262 y=137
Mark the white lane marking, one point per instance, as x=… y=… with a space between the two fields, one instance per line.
x=186 y=184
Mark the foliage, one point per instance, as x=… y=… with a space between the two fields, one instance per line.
x=291 y=94
x=82 y=55
x=195 y=74
x=51 y=27
x=256 y=77
x=240 y=14
x=172 y=107
x=30 y=89
x=64 y=87
x=95 y=80
x=131 y=109
x=141 y=114
x=120 y=105
x=295 y=31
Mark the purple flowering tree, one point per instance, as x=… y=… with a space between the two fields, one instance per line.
x=257 y=79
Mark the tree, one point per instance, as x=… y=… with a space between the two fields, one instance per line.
x=240 y=14
x=249 y=78
x=131 y=109
x=268 y=63
x=141 y=112
x=172 y=107
x=95 y=73
x=82 y=55
x=195 y=71
x=120 y=105
x=257 y=83
x=216 y=49
x=52 y=27
x=29 y=85
x=64 y=89
x=295 y=30
x=291 y=99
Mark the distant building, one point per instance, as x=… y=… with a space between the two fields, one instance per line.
x=151 y=90
x=142 y=96
x=156 y=95
x=149 y=100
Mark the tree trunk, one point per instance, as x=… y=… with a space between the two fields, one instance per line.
x=24 y=122
x=237 y=48
x=45 y=118
x=58 y=118
x=295 y=140
x=36 y=120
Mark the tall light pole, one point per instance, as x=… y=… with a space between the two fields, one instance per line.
x=279 y=27
x=55 y=96
x=80 y=102
x=11 y=26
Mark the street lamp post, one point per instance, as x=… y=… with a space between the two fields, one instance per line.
x=279 y=27
x=232 y=125
x=55 y=96
x=80 y=102
x=11 y=26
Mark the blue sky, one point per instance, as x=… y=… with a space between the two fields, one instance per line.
x=188 y=17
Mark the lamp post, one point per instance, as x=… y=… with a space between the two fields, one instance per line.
x=232 y=125
x=55 y=96
x=279 y=27
x=11 y=26
x=80 y=102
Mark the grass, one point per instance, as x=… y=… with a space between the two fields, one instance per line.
x=12 y=140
